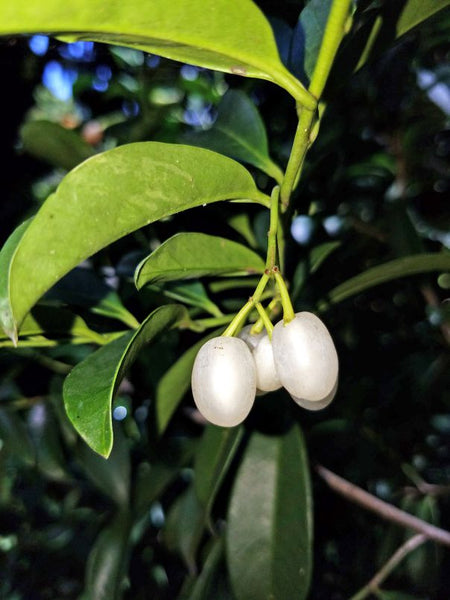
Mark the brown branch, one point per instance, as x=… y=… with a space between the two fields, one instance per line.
x=384 y=509
x=374 y=584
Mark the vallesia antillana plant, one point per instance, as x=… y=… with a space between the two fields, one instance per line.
x=116 y=192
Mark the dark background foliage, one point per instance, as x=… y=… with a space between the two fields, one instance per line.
x=376 y=182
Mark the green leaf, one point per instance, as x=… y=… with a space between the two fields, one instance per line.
x=227 y=35
x=193 y=255
x=112 y=476
x=107 y=562
x=6 y=256
x=320 y=253
x=394 y=269
x=241 y=224
x=394 y=595
x=55 y=322
x=416 y=11
x=90 y=386
x=307 y=38
x=205 y=582
x=192 y=293
x=82 y=287
x=238 y=132
x=175 y=383
x=54 y=144
x=269 y=533
x=105 y=198
x=212 y=460
x=184 y=527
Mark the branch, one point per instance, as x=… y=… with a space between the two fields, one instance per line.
x=374 y=584
x=384 y=509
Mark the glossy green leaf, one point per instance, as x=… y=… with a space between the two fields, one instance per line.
x=212 y=460
x=193 y=255
x=307 y=38
x=107 y=197
x=175 y=383
x=416 y=11
x=6 y=256
x=90 y=386
x=108 y=559
x=184 y=527
x=394 y=269
x=54 y=144
x=227 y=35
x=238 y=132
x=269 y=532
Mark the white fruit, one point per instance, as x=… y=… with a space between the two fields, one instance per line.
x=305 y=358
x=266 y=375
x=224 y=381
x=318 y=404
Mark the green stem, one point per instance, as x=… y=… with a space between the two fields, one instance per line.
x=265 y=319
x=298 y=152
x=242 y=315
x=239 y=319
x=273 y=229
x=288 y=309
x=334 y=32
x=332 y=37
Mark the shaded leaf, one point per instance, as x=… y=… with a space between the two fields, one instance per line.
x=82 y=287
x=54 y=144
x=320 y=253
x=203 y=588
x=400 y=267
x=193 y=255
x=184 y=527
x=55 y=322
x=192 y=293
x=107 y=562
x=112 y=476
x=269 y=533
x=6 y=256
x=175 y=383
x=227 y=35
x=107 y=197
x=91 y=385
x=241 y=224
x=307 y=38
x=16 y=441
x=212 y=460
x=238 y=132
x=415 y=12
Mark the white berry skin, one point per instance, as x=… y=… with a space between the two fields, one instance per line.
x=305 y=358
x=266 y=375
x=224 y=381
x=318 y=404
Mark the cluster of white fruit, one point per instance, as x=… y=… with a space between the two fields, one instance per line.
x=229 y=372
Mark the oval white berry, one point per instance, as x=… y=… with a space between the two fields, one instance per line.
x=318 y=404
x=305 y=358
x=224 y=381
x=266 y=375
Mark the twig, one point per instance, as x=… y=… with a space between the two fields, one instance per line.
x=384 y=509
x=374 y=584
